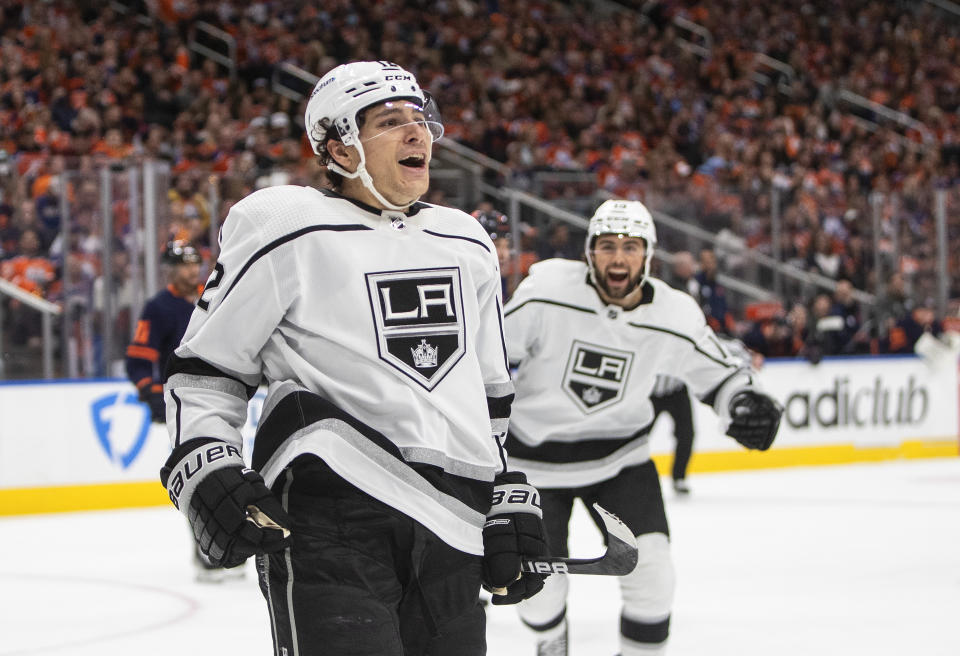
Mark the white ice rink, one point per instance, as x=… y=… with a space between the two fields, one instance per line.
x=845 y=560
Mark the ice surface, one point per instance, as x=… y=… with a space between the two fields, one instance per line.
x=854 y=559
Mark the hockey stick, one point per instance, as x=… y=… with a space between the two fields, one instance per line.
x=620 y=557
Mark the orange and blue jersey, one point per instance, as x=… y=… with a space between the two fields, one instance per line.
x=159 y=331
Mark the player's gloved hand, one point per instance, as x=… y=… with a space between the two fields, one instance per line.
x=232 y=512
x=755 y=418
x=513 y=531
x=154 y=398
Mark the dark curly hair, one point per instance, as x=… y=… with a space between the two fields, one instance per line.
x=323 y=131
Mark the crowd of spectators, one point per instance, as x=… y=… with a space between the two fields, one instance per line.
x=829 y=324
x=631 y=101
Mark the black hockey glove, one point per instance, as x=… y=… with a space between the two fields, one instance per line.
x=232 y=513
x=513 y=530
x=755 y=419
x=158 y=407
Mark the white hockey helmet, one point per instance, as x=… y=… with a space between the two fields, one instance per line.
x=341 y=94
x=630 y=218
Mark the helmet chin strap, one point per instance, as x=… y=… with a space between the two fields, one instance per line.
x=367 y=181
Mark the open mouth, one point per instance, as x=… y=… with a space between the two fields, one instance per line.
x=617 y=277
x=414 y=161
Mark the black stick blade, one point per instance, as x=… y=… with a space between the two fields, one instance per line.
x=619 y=559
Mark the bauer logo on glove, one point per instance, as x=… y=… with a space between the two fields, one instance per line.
x=513 y=532
x=232 y=512
x=199 y=463
x=512 y=498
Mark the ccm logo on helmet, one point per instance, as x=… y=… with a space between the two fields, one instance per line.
x=397 y=77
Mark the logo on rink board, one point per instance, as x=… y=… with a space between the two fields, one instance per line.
x=596 y=376
x=122 y=425
x=418 y=316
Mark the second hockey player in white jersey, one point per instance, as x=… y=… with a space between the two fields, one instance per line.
x=589 y=341
x=375 y=319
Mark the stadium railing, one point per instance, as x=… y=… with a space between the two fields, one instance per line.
x=137 y=206
x=47 y=312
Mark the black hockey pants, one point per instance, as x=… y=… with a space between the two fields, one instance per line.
x=633 y=495
x=363 y=579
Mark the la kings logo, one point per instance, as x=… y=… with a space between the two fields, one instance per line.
x=418 y=315
x=596 y=376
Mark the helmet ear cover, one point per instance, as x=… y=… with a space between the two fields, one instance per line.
x=328 y=132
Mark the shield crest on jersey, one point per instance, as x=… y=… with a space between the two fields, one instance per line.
x=418 y=316
x=596 y=376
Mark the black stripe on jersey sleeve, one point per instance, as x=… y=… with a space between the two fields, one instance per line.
x=290 y=237
x=499 y=407
x=548 y=302
x=503 y=341
x=502 y=452
x=569 y=452
x=176 y=399
x=198 y=367
x=684 y=338
x=470 y=239
x=300 y=409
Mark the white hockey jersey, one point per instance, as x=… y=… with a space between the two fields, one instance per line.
x=586 y=371
x=379 y=334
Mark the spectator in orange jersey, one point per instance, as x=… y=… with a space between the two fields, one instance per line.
x=29 y=269
x=33 y=273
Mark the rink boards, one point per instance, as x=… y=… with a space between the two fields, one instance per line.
x=80 y=445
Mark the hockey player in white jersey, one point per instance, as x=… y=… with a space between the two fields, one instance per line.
x=589 y=340
x=375 y=320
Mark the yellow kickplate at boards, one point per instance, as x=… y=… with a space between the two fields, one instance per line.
x=68 y=498
x=825 y=454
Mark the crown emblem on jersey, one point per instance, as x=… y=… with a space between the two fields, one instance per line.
x=418 y=316
x=592 y=395
x=425 y=355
